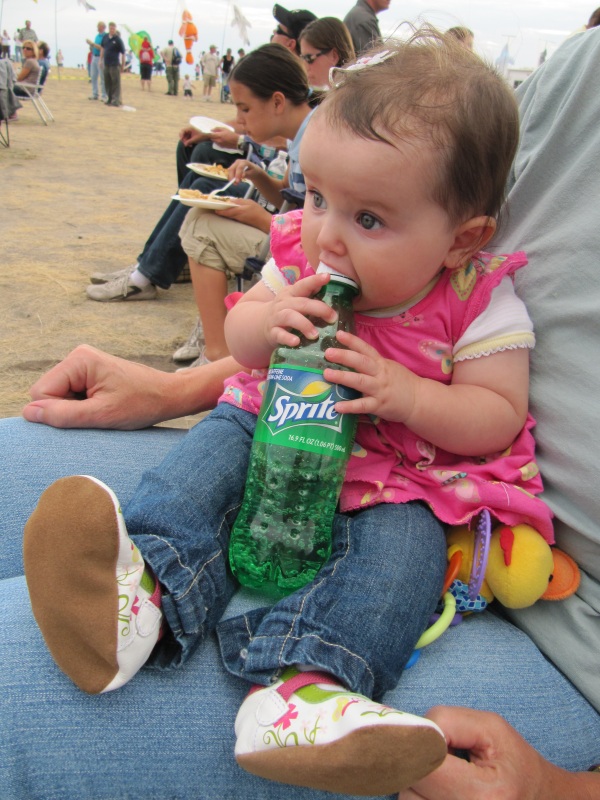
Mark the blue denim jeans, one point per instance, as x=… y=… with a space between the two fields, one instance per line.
x=359 y=619
x=95 y=73
x=56 y=742
x=200 y=153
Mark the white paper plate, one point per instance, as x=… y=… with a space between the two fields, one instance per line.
x=200 y=169
x=209 y=205
x=207 y=124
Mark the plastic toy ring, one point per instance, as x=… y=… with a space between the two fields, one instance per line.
x=452 y=570
x=439 y=626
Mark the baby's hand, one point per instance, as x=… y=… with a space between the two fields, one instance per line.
x=290 y=309
x=387 y=389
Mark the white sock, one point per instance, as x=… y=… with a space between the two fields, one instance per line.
x=138 y=279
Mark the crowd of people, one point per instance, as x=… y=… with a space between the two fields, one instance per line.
x=378 y=178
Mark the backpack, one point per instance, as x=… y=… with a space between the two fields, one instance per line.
x=145 y=56
x=176 y=58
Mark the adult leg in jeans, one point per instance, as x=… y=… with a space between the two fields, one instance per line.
x=51 y=733
x=200 y=153
x=95 y=75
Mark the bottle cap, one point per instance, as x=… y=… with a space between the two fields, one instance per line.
x=336 y=276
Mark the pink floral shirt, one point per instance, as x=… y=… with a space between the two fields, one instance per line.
x=389 y=463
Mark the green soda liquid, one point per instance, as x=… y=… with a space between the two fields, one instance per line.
x=282 y=535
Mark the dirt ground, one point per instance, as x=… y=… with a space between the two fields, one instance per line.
x=78 y=196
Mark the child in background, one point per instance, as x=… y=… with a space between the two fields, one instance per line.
x=187 y=87
x=405 y=179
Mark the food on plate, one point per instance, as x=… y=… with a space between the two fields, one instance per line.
x=194 y=194
x=215 y=169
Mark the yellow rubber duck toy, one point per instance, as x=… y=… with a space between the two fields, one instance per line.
x=521 y=568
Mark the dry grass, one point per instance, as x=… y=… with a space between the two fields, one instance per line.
x=82 y=195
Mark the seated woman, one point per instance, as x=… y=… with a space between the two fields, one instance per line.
x=271 y=92
x=325 y=43
x=30 y=69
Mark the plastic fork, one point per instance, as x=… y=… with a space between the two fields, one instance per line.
x=221 y=188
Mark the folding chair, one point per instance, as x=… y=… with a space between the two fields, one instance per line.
x=9 y=102
x=34 y=93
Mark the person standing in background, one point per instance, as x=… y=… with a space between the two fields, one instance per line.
x=27 y=33
x=95 y=70
x=146 y=62
x=227 y=63
x=465 y=36
x=5 y=52
x=170 y=54
x=112 y=60
x=18 y=48
x=594 y=20
x=363 y=25
x=210 y=67
x=60 y=59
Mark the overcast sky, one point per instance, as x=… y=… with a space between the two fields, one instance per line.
x=529 y=26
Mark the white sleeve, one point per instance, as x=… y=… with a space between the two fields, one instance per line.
x=504 y=325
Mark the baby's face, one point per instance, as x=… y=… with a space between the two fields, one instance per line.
x=369 y=215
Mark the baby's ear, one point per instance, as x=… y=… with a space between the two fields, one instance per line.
x=470 y=237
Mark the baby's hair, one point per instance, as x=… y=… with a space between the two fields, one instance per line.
x=431 y=89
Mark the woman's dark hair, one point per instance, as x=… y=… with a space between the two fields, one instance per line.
x=330 y=33
x=273 y=68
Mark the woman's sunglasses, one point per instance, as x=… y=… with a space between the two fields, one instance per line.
x=310 y=58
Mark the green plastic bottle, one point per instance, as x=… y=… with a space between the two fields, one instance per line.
x=282 y=535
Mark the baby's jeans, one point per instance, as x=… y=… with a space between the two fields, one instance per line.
x=358 y=620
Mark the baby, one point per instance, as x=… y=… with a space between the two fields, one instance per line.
x=405 y=164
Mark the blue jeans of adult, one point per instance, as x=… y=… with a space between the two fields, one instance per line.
x=359 y=619
x=200 y=153
x=96 y=73
x=163 y=258
x=56 y=742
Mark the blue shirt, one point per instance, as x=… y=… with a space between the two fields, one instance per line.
x=295 y=176
x=97 y=42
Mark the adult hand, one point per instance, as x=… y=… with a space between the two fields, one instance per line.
x=242 y=169
x=189 y=136
x=249 y=212
x=92 y=389
x=502 y=765
x=225 y=138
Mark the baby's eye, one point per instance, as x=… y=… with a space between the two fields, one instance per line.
x=368 y=221
x=318 y=200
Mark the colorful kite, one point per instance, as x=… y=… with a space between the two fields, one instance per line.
x=189 y=34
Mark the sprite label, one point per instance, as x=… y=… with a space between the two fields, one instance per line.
x=298 y=411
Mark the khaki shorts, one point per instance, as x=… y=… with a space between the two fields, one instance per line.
x=210 y=81
x=219 y=243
